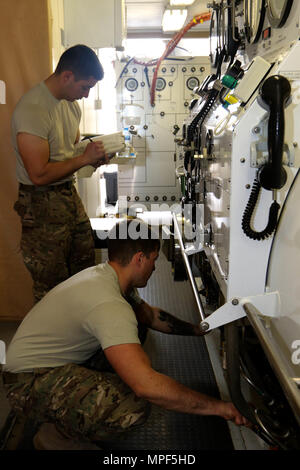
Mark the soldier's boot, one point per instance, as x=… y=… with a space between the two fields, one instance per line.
x=49 y=438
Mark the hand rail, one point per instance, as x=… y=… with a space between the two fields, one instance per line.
x=188 y=268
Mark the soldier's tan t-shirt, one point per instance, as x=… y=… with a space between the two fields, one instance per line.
x=39 y=113
x=73 y=320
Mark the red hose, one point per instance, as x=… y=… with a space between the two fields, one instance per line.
x=171 y=46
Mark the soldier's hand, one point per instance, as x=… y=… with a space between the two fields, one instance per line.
x=95 y=153
x=230 y=413
x=103 y=161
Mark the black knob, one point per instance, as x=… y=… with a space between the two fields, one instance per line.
x=176 y=129
x=236 y=70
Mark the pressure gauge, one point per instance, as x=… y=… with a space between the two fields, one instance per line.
x=131 y=84
x=192 y=82
x=254 y=19
x=160 y=84
x=278 y=12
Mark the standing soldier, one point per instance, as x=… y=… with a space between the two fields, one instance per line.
x=57 y=239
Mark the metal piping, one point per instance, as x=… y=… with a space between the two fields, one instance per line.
x=188 y=268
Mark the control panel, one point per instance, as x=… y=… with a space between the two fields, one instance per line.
x=152 y=130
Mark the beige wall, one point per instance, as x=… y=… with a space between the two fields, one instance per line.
x=25 y=59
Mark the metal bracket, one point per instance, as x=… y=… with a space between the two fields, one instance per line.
x=259 y=153
x=268 y=304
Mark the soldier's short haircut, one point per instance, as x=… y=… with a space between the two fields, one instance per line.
x=129 y=237
x=82 y=61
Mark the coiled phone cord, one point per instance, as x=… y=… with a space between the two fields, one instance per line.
x=247 y=216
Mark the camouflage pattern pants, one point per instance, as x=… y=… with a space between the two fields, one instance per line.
x=84 y=404
x=57 y=239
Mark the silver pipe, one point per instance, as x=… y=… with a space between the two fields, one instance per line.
x=188 y=268
x=233 y=20
x=288 y=383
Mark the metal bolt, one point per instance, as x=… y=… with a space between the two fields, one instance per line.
x=242 y=160
x=204 y=326
x=235 y=301
x=256 y=130
x=248 y=186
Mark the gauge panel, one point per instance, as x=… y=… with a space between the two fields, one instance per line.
x=131 y=84
x=192 y=82
x=254 y=11
x=160 y=84
x=278 y=12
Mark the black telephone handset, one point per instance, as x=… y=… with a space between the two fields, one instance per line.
x=275 y=93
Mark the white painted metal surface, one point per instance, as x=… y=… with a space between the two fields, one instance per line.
x=283 y=275
x=238 y=262
x=96 y=23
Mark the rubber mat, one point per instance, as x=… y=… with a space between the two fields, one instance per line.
x=185 y=359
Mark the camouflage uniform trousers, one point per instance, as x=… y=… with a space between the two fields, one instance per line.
x=84 y=404
x=57 y=239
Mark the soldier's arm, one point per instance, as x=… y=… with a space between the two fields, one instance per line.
x=157 y=319
x=35 y=155
x=162 y=390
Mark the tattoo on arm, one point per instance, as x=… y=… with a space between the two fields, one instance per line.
x=177 y=326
